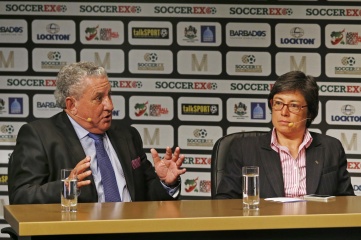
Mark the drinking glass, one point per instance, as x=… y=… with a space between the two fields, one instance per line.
x=69 y=191
x=250 y=187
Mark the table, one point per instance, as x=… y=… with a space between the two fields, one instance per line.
x=190 y=219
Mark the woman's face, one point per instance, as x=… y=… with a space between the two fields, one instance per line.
x=290 y=118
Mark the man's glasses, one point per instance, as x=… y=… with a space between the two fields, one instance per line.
x=292 y=107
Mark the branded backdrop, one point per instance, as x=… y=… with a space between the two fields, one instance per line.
x=184 y=74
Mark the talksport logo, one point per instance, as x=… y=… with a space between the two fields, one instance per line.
x=150 y=33
x=200 y=109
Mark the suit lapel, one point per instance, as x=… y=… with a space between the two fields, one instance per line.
x=314 y=164
x=272 y=166
x=73 y=144
x=121 y=147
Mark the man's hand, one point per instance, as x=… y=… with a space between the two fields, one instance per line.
x=83 y=171
x=168 y=169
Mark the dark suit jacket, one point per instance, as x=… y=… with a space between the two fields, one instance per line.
x=325 y=167
x=47 y=145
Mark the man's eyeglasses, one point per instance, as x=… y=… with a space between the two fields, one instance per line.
x=292 y=107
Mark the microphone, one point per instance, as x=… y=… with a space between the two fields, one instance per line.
x=291 y=124
x=85 y=119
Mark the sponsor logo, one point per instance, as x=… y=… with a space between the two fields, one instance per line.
x=28 y=82
x=4 y=30
x=13 y=59
x=100 y=34
x=159 y=136
x=53 y=29
x=340 y=88
x=200 y=109
x=241 y=33
x=240 y=110
x=197 y=161
x=348 y=66
x=248 y=34
x=248 y=65
x=200 y=139
x=2 y=105
x=7 y=131
x=354 y=165
x=258 y=110
x=15 y=105
x=261 y=11
x=54 y=61
x=150 y=64
x=208 y=34
x=150 y=33
x=190 y=33
x=109 y=9
x=35 y=8
x=196 y=10
x=297 y=34
x=260 y=87
x=155 y=110
x=185 y=85
x=355 y=12
x=126 y=84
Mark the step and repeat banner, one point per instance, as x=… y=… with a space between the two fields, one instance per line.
x=183 y=74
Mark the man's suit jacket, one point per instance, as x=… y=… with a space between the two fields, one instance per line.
x=47 y=145
x=326 y=166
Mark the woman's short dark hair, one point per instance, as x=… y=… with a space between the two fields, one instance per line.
x=305 y=84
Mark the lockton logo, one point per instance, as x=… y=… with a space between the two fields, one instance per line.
x=300 y=36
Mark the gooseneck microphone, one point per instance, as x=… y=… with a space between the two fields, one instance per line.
x=291 y=124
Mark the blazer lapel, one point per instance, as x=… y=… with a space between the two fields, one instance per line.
x=314 y=164
x=72 y=141
x=272 y=165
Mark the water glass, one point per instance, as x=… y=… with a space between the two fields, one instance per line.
x=69 y=190
x=250 y=187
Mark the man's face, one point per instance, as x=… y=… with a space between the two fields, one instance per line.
x=95 y=103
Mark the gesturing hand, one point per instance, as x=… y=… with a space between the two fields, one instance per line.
x=168 y=168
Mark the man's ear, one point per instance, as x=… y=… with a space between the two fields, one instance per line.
x=70 y=105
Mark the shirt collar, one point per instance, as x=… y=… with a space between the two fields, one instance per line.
x=306 y=142
x=80 y=131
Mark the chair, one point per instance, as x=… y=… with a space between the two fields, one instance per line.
x=10 y=231
x=220 y=155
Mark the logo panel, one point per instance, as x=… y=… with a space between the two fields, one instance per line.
x=199 y=34
x=52 y=59
x=248 y=110
x=151 y=61
x=249 y=63
x=156 y=136
x=151 y=108
x=248 y=34
x=13 y=31
x=309 y=63
x=343 y=112
x=9 y=132
x=198 y=137
x=110 y=59
x=199 y=62
x=196 y=184
x=119 y=107
x=343 y=36
x=200 y=109
x=44 y=106
x=350 y=139
x=354 y=165
x=53 y=31
x=298 y=35
x=102 y=32
x=150 y=33
x=13 y=59
x=14 y=105
x=342 y=65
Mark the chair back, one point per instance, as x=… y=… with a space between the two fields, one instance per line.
x=220 y=155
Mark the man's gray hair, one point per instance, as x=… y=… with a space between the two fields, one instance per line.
x=70 y=80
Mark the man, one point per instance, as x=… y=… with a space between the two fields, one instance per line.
x=292 y=161
x=66 y=140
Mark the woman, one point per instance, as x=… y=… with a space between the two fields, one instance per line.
x=292 y=161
